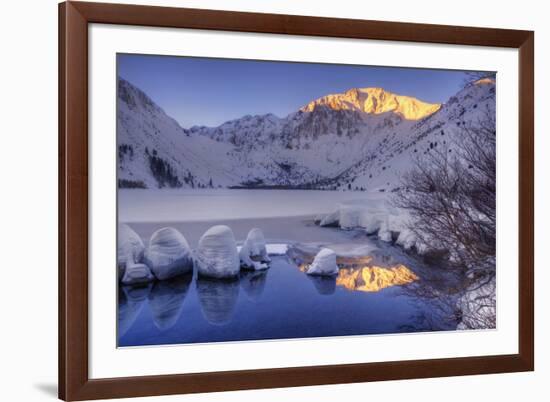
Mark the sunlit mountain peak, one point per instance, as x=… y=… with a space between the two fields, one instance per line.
x=485 y=81
x=375 y=101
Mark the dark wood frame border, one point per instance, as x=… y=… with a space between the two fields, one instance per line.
x=74 y=17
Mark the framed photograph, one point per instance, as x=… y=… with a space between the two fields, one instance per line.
x=259 y=200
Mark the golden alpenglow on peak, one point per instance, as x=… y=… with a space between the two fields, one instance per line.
x=485 y=81
x=375 y=101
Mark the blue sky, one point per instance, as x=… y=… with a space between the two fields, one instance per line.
x=203 y=91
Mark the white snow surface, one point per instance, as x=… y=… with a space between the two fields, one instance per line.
x=168 y=254
x=277 y=248
x=217 y=255
x=130 y=248
x=324 y=263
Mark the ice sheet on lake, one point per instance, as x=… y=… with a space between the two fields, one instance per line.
x=188 y=205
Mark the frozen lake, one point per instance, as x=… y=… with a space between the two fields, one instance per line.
x=379 y=289
x=184 y=205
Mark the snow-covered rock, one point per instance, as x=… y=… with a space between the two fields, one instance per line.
x=331 y=219
x=406 y=239
x=217 y=299
x=130 y=248
x=168 y=254
x=136 y=274
x=253 y=253
x=324 y=263
x=166 y=301
x=478 y=305
x=217 y=255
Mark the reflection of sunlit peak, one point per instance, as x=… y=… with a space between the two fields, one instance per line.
x=374 y=278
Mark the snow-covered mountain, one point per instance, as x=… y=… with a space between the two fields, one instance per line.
x=361 y=139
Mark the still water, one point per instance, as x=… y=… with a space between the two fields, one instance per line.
x=374 y=294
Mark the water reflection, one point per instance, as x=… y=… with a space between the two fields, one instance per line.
x=217 y=299
x=253 y=283
x=370 y=273
x=131 y=300
x=325 y=285
x=166 y=301
x=374 y=278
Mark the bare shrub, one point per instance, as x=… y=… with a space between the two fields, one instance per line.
x=451 y=197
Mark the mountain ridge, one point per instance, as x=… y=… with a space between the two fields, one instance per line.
x=363 y=141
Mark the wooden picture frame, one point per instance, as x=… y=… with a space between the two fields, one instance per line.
x=74 y=381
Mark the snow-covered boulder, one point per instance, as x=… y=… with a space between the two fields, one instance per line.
x=168 y=254
x=406 y=239
x=330 y=220
x=253 y=253
x=166 y=301
x=130 y=248
x=478 y=305
x=350 y=215
x=218 y=299
x=217 y=255
x=384 y=232
x=135 y=274
x=324 y=263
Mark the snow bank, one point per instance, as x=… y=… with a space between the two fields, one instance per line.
x=217 y=255
x=277 y=248
x=253 y=253
x=374 y=216
x=168 y=254
x=478 y=305
x=135 y=274
x=324 y=263
x=130 y=248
